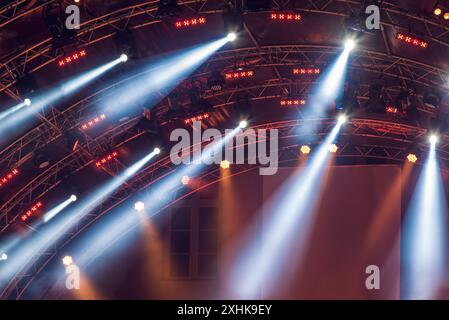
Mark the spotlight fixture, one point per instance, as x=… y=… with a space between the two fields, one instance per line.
x=27 y=102
x=123 y=57
x=197 y=118
x=293 y=102
x=243 y=124
x=167 y=8
x=432 y=99
x=233 y=24
x=285 y=16
x=139 y=206
x=239 y=74
x=185 y=180
x=92 y=122
x=67 y=261
x=73 y=198
x=342 y=119
x=3 y=256
x=192 y=22
x=349 y=44
x=333 y=148
x=412 y=158
x=157 y=150
x=8 y=177
x=216 y=81
x=441 y=12
x=41 y=160
x=225 y=164
x=438 y=11
x=32 y=212
x=305 y=149
x=389 y=109
x=306 y=71
x=411 y=40
x=433 y=139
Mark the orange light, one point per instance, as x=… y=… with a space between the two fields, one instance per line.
x=67 y=261
x=446 y=16
x=225 y=164
x=438 y=11
x=305 y=149
x=412 y=158
x=333 y=148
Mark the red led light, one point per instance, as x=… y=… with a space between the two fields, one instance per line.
x=99 y=163
x=190 y=22
x=285 y=16
x=92 y=122
x=293 y=102
x=412 y=40
x=239 y=74
x=72 y=58
x=197 y=118
x=306 y=71
x=31 y=212
x=8 y=177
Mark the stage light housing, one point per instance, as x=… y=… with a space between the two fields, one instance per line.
x=333 y=148
x=284 y=16
x=139 y=206
x=27 y=102
x=239 y=74
x=157 y=151
x=192 y=22
x=231 y=36
x=92 y=122
x=67 y=261
x=438 y=11
x=101 y=162
x=32 y=212
x=123 y=57
x=7 y=177
x=73 y=57
x=293 y=102
x=243 y=124
x=306 y=71
x=342 y=119
x=412 y=40
x=73 y=198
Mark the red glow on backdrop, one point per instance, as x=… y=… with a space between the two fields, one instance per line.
x=106 y=159
x=412 y=40
x=72 y=58
x=93 y=122
x=190 y=22
x=239 y=74
x=197 y=118
x=293 y=102
x=306 y=71
x=285 y=16
x=32 y=212
x=6 y=178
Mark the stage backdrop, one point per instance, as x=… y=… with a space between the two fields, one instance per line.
x=355 y=224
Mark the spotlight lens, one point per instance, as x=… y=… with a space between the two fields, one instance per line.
x=333 y=148
x=3 y=257
x=73 y=198
x=433 y=139
x=139 y=206
x=243 y=124
x=27 y=102
x=350 y=44
x=123 y=57
x=412 y=158
x=67 y=260
x=305 y=149
x=446 y=16
x=232 y=36
x=157 y=150
x=438 y=11
x=342 y=119
x=225 y=164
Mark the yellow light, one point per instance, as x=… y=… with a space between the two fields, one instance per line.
x=412 y=158
x=67 y=260
x=446 y=16
x=185 y=180
x=438 y=11
x=333 y=148
x=225 y=164
x=305 y=149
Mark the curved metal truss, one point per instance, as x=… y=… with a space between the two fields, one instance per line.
x=37 y=56
x=367 y=139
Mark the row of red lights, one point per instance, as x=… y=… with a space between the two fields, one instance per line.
x=286 y=16
x=190 y=22
x=106 y=159
x=72 y=57
x=239 y=74
x=5 y=179
x=197 y=118
x=293 y=102
x=412 y=40
x=89 y=124
x=303 y=71
x=31 y=212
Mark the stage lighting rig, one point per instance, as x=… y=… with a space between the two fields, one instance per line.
x=125 y=44
x=26 y=85
x=412 y=40
x=93 y=122
x=233 y=23
x=376 y=102
x=106 y=159
x=32 y=212
x=191 y=22
x=307 y=71
x=8 y=177
x=216 y=81
x=167 y=8
x=293 y=102
x=285 y=16
x=239 y=74
x=432 y=99
x=72 y=58
x=41 y=159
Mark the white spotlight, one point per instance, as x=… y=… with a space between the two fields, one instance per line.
x=243 y=124
x=139 y=206
x=157 y=150
x=73 y=198
x=433 y=139
x=231 y=36
x=342 y=119
x=350 y=44
x=123 y=57
x=3 y=257
x=27 y=102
